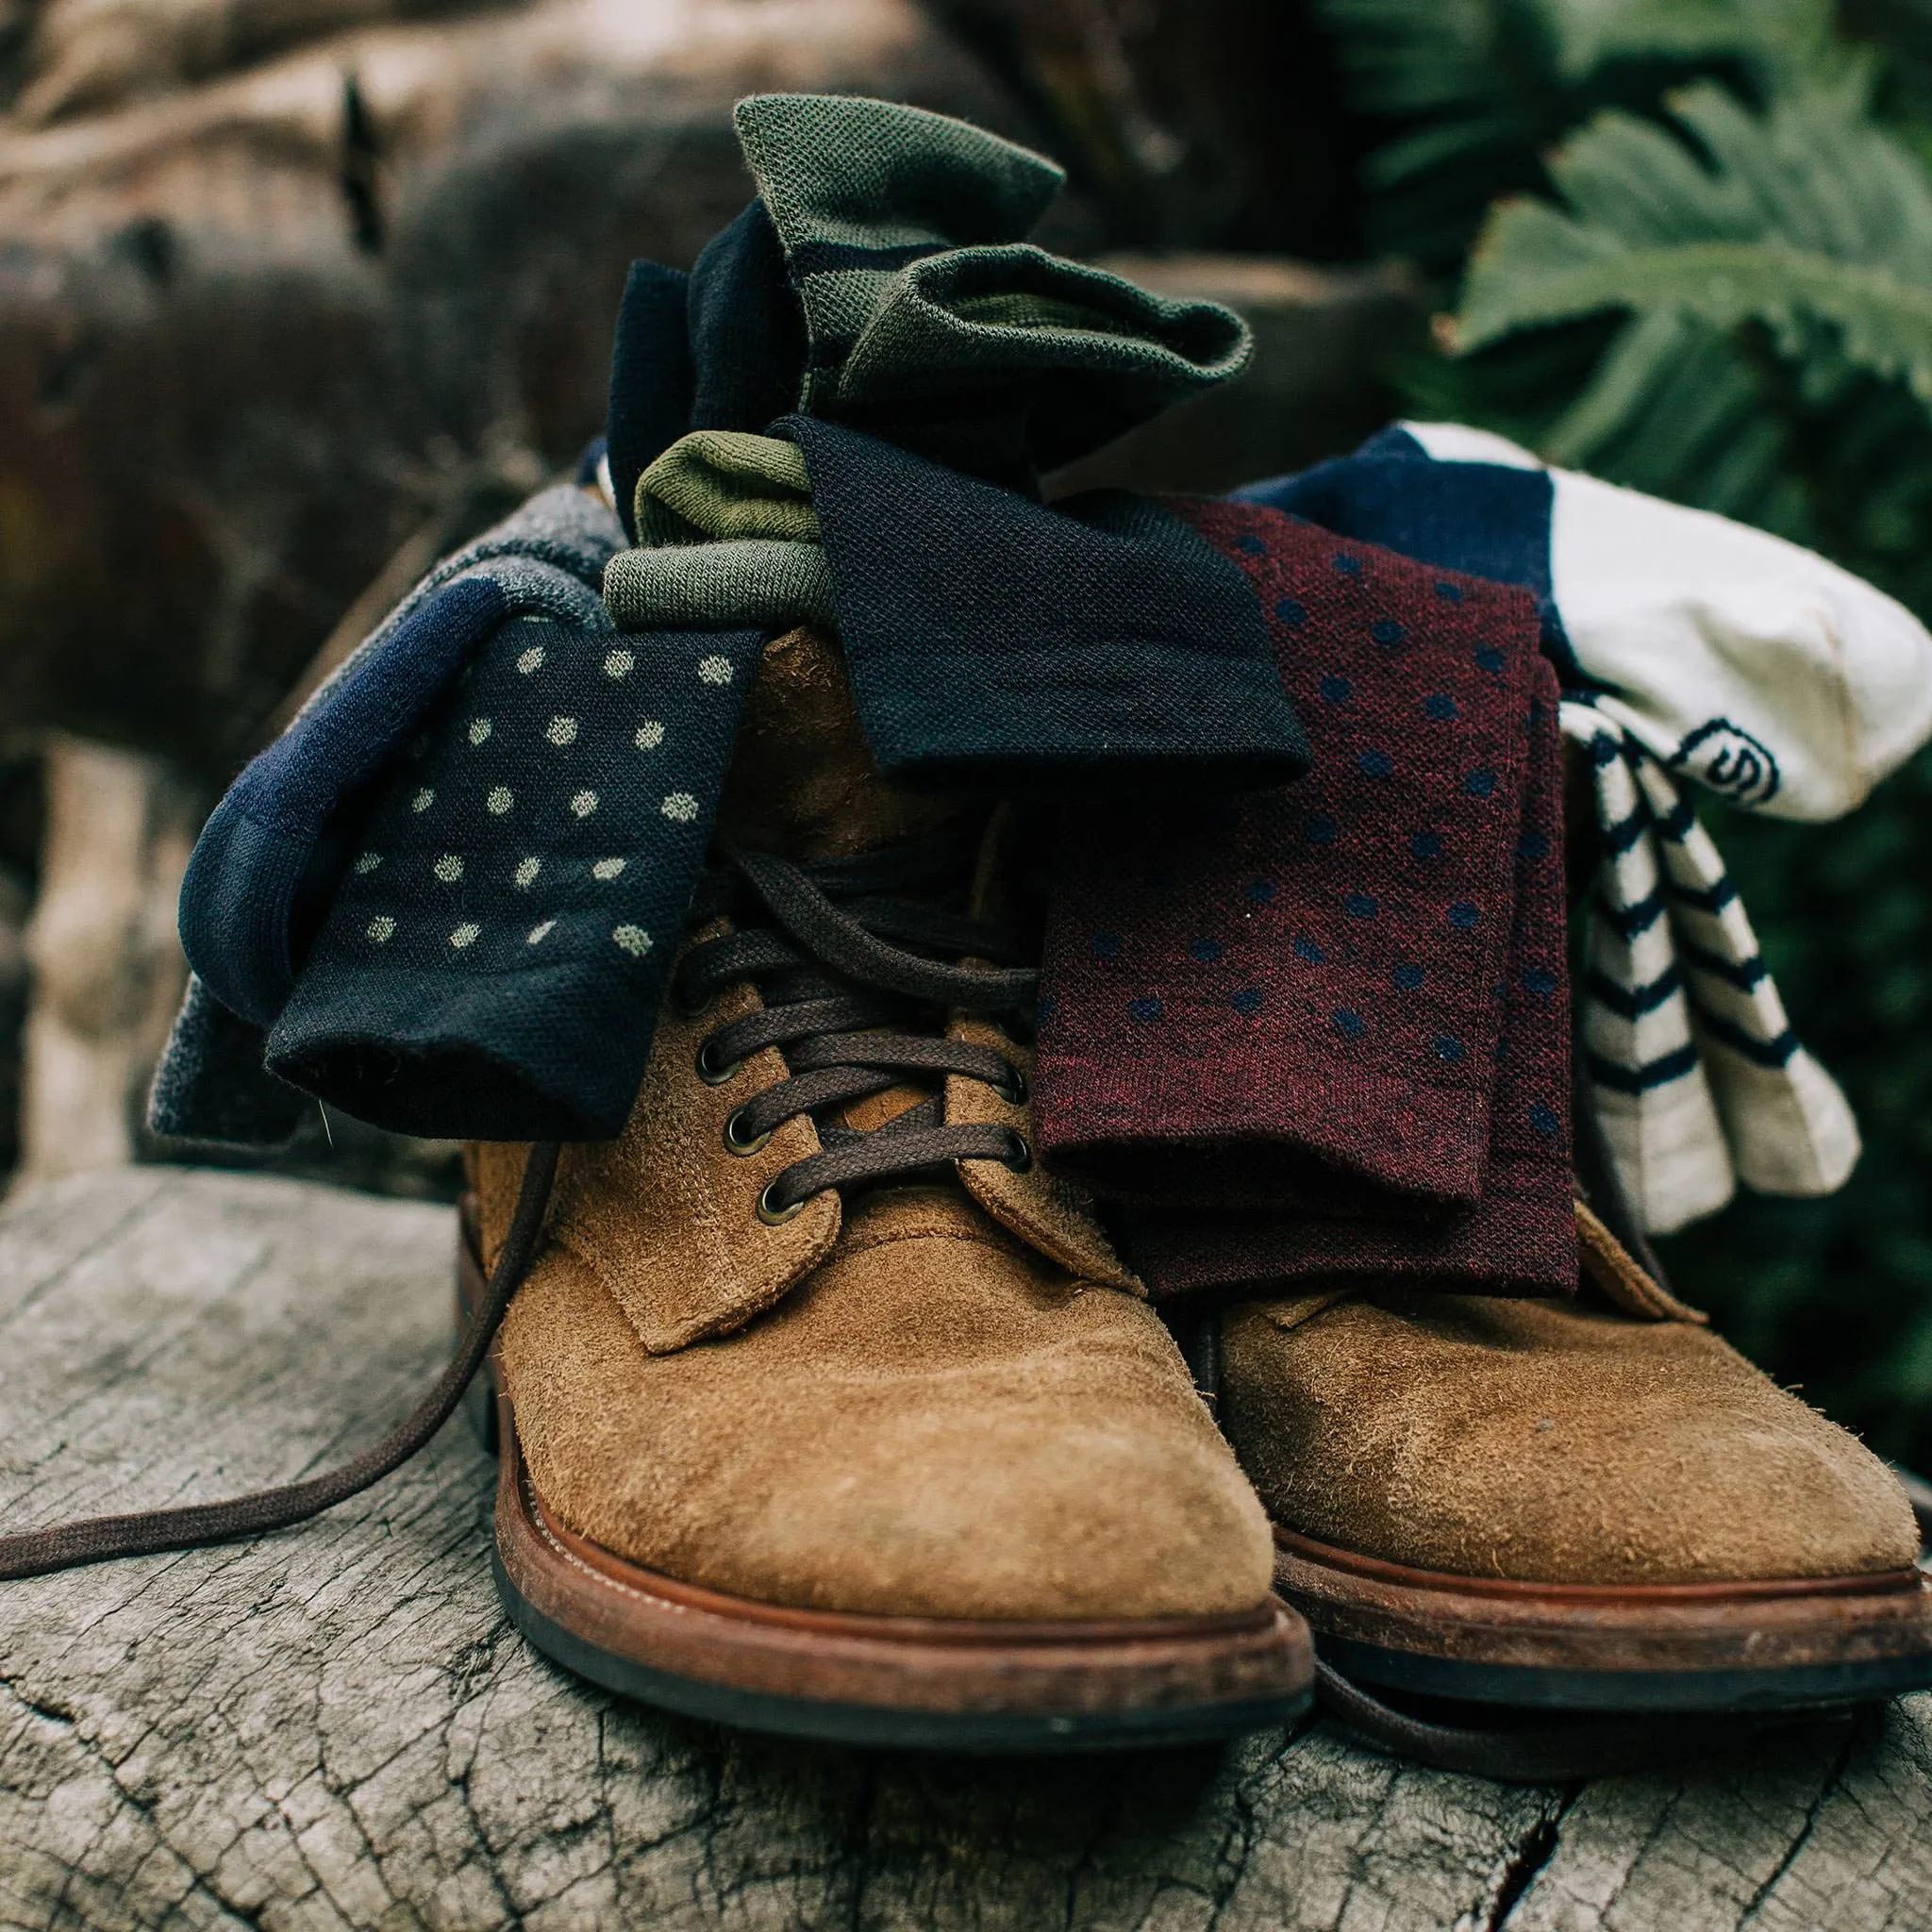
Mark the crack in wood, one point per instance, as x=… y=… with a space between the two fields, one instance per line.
x=1525 y=1868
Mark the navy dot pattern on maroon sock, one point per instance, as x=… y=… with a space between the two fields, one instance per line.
x=1342 y=1016
x=1521 y=1236
x=1394 y=853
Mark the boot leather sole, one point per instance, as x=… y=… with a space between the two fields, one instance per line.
x=842 y=1677
x=1748 y=1647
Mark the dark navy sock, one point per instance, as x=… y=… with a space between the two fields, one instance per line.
x=996 y=644
x=492 y=963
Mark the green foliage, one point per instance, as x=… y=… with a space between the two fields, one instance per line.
x=1768 y=293
x=1706 y=271
x=1471 y=94
x=1804 y=214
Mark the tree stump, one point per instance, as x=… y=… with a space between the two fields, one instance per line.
x=336 y=1727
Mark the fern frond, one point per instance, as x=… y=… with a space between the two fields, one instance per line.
x=1783 y=40
x=1475 y=91
x=1807 y=213
x=1673 y=408
x=1711 y=311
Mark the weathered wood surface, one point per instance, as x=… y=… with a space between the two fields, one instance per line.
x=335 y=1726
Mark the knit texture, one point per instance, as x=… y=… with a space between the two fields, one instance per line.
x=858 y=189
x=767 y=583
x=1520 y=1234
x=651 y=378
x=272 y=846
x=1348 y=998
x=747 y=334
x=1680 y=624
x=1739 y=661
x=729 y=539
x=210 y=1085
x=260 y=882
x=996 y=644
x=493 y=958
x=1486 y=519
x=432 y=989
x=275 y=838
x=929 y=320
x=717 y=484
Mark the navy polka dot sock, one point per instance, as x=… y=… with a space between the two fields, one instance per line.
x=492 y=963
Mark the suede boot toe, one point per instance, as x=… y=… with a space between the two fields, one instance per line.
x=1590 y=1504
x=1548 y=1444
x=936 y=1423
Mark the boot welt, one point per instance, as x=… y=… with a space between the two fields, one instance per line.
x=1782 y=1644
x=903 y=1682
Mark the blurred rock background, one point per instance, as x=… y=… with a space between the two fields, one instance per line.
x=297 y=294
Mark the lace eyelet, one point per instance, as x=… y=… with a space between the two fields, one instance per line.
x=737 y=1142
x=1019 y=1155
x=1012 y=1090
x=776 y=1217
x=711 y=1069
x=683 y=1004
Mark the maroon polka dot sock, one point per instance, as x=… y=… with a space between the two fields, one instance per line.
x=1325 y=1029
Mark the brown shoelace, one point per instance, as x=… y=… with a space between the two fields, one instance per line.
x=97 y=1539
x=855 y=961
x=1534 y=1747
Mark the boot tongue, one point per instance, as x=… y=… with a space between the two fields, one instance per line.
x=802 y=783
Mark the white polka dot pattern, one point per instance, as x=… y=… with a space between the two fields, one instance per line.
x=535 y=865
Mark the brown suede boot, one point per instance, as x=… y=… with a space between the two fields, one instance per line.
x=822 y=1411
x=1594 y=1505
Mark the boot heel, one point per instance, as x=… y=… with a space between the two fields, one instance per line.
x=479 y=1402
x=479 y=1398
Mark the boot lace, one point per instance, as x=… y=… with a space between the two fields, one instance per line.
x=857 y=961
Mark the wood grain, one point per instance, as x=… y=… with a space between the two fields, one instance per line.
x=334 y=1727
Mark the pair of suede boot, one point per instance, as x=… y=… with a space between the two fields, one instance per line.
x=823 y=1408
